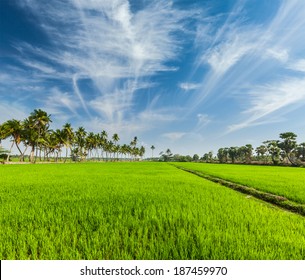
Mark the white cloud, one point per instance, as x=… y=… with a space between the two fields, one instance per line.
x=203 y=119
x=280 y=54
x=188 y=86
x=160 y=116
x=298 y=65
x=58 y=100
x=269 y=99
x=109 y=44
x=245 y=56
x=224 y=56
x=39 y=66
x=12 y=111
x=173 y=136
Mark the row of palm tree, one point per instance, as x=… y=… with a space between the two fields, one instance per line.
x=34 y=133
x=234 y=154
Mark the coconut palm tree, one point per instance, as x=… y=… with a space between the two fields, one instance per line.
x=80 y=140
x=133 y=145
x=124 y=150
x=142 y=151
x=108 y=147
x=90 y=143
x=53 y=143
x=103 y=142
x=115 y=139
x=30 y=136
x=152 y=151
x=14 y=129
x=68 y=138
x=36 y=125
x=59 y=141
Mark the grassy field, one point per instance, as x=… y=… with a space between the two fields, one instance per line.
x=285 y=181
x=136 y=211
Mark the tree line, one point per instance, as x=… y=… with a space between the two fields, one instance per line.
x=284 y=151
x=35 y=135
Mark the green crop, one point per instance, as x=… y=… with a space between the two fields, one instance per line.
x=284 y=181
x=136 y=211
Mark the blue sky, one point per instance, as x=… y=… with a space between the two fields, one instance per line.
x=192 y=76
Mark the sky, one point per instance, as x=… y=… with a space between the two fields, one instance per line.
x=191 y=76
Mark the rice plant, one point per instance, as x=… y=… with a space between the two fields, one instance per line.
x=136 y=211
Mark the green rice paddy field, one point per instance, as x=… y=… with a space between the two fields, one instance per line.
x=284 y=181
x=137 y=211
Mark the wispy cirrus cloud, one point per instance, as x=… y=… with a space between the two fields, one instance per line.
x=173 y=136
x=39 y=67
x=188 y=86
x=250 y=61
x=159 y=67
x=115 y=47
x=58 y=101
x=270 y=99
x=203 y=119
x=298 y=65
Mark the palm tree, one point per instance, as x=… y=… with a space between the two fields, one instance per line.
x=68 y=137
x=36 y=125
x=115 y=139
x=288 y=144
x=53 y=143
x=124 y=150
x=103 y=141
x=34 y=132
x=97 y=145
x=135 y=152
x=90 y=143
x=261 y=151
x=142 y=151
x=59 y=140
x=152 y=151
x=135 y=141
x=108 y=149
x=116 y=150
x=14 y=129
x=233 y=153
x=80 y=135
x=133 y=145
x=273 y=150
x=30 y=136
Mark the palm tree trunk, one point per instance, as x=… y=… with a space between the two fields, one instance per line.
x=66 y=155
x=8 y=156
x=18 y=148
x=22 y=154
x=32 y=154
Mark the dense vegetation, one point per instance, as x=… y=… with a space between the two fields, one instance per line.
x=34 y=132
x=136 y=211
x=285 y=151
